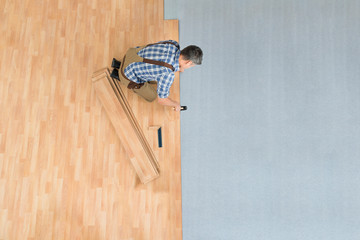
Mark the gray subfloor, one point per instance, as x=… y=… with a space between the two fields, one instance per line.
x=271 y=139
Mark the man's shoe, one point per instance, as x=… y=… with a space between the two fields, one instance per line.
x=115 y=63
x=115 y=74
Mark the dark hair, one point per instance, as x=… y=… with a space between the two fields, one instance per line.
x=192 y=53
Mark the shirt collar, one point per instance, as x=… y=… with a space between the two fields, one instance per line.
x=176 y=61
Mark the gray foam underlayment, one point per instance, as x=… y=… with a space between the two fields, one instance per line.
x=270 y=143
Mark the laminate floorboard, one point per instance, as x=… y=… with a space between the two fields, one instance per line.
x=64 y=174
x=126 y=126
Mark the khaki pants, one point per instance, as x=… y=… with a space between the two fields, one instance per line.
x=145 y=90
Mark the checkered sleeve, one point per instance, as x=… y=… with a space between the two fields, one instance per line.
x=130 y=74
x=164 y=82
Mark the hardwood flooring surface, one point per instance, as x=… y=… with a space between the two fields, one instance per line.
x=64 y=173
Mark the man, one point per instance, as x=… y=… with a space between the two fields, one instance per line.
x=156 y=63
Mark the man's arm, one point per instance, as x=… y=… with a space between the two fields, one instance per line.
x=169 y=102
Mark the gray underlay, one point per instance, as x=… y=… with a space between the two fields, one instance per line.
x=270 y=140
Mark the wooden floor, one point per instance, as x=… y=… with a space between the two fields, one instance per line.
x=63 y=171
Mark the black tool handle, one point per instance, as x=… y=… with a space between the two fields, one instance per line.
x=159 y=137
x=183 y=108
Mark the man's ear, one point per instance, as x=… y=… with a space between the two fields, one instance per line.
x=189 y=62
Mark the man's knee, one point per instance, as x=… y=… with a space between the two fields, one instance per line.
x=147 y=92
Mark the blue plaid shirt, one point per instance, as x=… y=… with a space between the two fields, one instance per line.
x=140 y=72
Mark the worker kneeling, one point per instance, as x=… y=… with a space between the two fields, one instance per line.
x=156 y=63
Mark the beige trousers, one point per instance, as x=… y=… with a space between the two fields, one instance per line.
x=144 y=90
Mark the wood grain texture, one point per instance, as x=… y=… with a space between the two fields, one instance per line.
x=126 y=126
x=64 y=173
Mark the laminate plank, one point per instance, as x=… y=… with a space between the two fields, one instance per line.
x=126 y=126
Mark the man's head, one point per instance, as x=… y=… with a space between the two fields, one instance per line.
x=189 y=57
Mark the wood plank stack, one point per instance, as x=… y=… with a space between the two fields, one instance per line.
x=126 y=126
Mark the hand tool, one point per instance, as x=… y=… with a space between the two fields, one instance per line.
x=183 y=108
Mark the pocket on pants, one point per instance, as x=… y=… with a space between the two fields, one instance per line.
x=147 y=92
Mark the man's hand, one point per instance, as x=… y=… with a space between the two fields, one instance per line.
x=177 y=108
x=169 y=102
